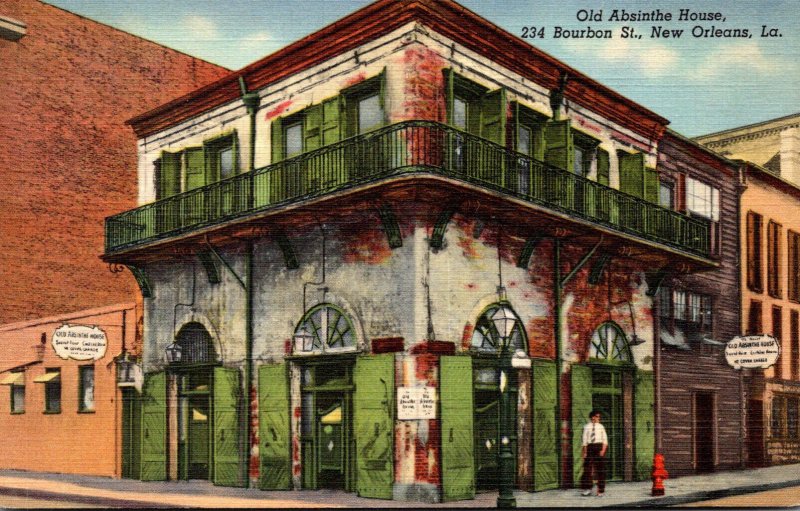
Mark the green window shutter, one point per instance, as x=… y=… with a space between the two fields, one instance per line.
x=169 y=182
x=227 y=458
x=312 y=128
x=558 y=150
x=545 y=426
x=195 y=168
x=154 y=428
x=374 y=425
x=581 y=384
x=603 y=167
x=276 y=133
x=651 y=185
x=273 y=427
x=235 y=151
x=631 y=174
x=455 y=398
x=331 y=120
x=449 y=94
x=644 y=415
x=493 y=116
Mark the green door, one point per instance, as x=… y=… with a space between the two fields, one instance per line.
x=455 y=396
x=545 y=426
x=197 y=425
x=644 y=417
x=154 y=428
x=273 y=406
x=581 y=385
x=131 y=433
x=374 y=425
x=227 y=395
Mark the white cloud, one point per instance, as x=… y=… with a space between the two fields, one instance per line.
x=741 y=58
x=649 y=58
x=200 y=27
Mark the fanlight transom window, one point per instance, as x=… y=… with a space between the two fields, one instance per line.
x=327 y=328
x=196 y=344
x=610 y=343
x=485 y=337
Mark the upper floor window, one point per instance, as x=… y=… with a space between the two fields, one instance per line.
x=754 y=319
x=777 y=333
x=365 y=106
x=16 y=381
x=370 y=113
x=773 y=259
x=754 y=270
x=666 y=194
x=684 y=315
x=793 y=266
x=584 y=153
x=194 y=167
x=293 y=138
x=635 y=178
x=702 y=199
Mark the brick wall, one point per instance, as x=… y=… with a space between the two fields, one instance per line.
x=67 y=158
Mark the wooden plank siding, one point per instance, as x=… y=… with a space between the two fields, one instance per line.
x=703 y=368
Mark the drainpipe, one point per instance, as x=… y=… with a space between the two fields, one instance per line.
x=557 y=290
x=251 y=101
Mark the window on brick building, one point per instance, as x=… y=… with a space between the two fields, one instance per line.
x=16 y=382
x=686 y=315
x=785 y=414
x=777 y=332
x=52 y=389
x=754 y=322
x=794 y=345
x=793 y=266
x=86 y=388
x=773 y=259
x=754 y=270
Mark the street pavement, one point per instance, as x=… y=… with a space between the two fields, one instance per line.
x=125 y=493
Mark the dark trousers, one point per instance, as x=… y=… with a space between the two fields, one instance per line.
x=594 y=468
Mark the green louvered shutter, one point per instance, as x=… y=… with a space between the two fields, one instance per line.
x=154 y=428
x=644 y=415
x=603 y=167
x=581 y=383
x=276 y=137
x=273 y=427
x=169 y=184
x=631 y=174
x=558 y=149
x=227 y=397
x=374 y=425
x=333 y=166
x=545 y=426
x=651 y=185
x=455 y=397
x=312 y=128
x=272 y=185
x=195 y=168
x=449 y=90
x=493 y=116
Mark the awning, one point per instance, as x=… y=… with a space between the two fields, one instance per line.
x=13 y=379
x=48 y=377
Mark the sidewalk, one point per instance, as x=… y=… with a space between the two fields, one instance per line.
x=127 y=493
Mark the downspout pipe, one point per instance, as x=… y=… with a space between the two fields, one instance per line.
x=557 y=292
x=251 y=101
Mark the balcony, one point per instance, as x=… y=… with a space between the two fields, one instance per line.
x=420 y=147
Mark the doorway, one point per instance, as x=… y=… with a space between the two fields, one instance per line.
x=704 y=431
x=607 y=399
x=755 y=433
x=327 y=426
x=194 y=423
x=486 y=422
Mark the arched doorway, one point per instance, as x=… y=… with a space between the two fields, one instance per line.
x=327 y=434
x=486 y=346
x=195 y=402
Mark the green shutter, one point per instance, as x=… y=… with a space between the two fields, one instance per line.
x=449 y=88
x=273 y=427
x=644 y=415
x=603 y=167
x=493 y=116
x=154 y=428
x=374 y=425
x=235 y=151
x=545 y=426
x=169 y=182
x=227 y=393
x=631 y=174
x=195 y=168
x=455 y=397
x=312 y=128
x=276 y=133
x=581 y=384
x=558 y=149
x=651 y=185
x=331 y=120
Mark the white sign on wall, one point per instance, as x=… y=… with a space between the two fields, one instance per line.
x=416 y=403
x=80 y=342
x=752 y=352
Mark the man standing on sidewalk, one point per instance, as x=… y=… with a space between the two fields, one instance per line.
x=595 y=445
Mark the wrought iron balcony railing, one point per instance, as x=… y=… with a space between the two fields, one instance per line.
x=406 y=147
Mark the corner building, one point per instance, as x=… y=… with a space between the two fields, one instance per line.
x=332 y=230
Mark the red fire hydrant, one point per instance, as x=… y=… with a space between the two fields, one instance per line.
x=659 y=474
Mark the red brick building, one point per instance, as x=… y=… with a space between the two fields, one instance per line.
x=67 y=158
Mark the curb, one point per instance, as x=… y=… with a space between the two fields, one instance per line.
x=81 y=499
x=708 y=495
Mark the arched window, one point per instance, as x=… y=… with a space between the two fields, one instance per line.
x=485 y=337
x=610 y=343
x=196 y=345
x=327 y=328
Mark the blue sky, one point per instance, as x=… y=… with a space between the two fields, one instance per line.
x=701 y=84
